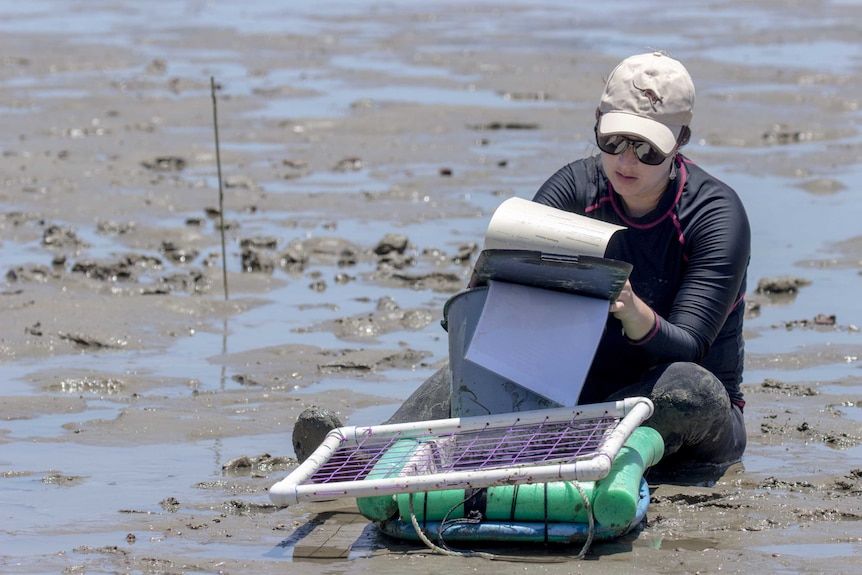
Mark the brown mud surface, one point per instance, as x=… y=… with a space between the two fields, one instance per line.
x=346 y=233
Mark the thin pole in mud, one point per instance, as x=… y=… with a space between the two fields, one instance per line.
x=220 y=190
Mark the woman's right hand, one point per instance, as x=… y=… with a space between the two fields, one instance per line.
x=637 y=317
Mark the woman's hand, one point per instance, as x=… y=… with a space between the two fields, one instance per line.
x=637 y=317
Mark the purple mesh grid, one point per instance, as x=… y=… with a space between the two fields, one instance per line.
x=489 y=448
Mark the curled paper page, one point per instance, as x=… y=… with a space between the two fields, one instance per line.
x=521 y=224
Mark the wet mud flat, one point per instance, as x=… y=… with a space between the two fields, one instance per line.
x=144 y=414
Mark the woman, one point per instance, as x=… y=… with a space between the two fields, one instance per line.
x=675 y=332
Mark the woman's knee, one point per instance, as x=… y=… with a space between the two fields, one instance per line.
x=691 y=405
x=688 y=387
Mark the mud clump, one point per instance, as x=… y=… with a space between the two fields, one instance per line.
x=310 y=430
x=781 y=285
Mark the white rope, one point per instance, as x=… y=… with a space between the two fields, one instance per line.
x=590 y=520
x=436 y=548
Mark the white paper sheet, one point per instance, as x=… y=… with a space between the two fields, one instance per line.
x=540 y=339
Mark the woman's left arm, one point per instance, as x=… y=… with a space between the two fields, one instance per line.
x=719 y=241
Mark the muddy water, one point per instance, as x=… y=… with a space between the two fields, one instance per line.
x=124 y=396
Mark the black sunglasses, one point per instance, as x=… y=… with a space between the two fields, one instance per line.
x=616 y=144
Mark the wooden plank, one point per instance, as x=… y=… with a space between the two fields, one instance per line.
x=333 y=538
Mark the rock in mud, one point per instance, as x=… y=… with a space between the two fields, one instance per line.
x=782 y=284
x=165 y=164
x=391 y=243
x=62 y=237
x=257 y=261
x=310 y=430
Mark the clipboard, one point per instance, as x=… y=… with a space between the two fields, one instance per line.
x=602 y=278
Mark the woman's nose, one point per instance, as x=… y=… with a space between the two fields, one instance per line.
x=628 y=156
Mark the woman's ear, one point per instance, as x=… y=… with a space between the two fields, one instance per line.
x=684 y=136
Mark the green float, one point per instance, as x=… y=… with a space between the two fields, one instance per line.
x=616 y=501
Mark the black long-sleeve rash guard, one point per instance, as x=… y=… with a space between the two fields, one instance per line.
x=690 y=258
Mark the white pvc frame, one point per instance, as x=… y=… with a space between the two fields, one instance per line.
x=634 y=411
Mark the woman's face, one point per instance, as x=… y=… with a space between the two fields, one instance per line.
x=639 y=185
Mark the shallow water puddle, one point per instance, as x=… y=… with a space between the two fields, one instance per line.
x=814 y=550
x=850 y=410
x=56 y=425
x=108 y=481
x=689 y=543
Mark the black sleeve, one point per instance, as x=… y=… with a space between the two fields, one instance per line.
x=713 y=283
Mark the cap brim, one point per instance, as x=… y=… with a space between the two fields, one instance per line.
x=659 y=135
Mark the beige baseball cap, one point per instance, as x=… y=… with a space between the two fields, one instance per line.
x=648 y=96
